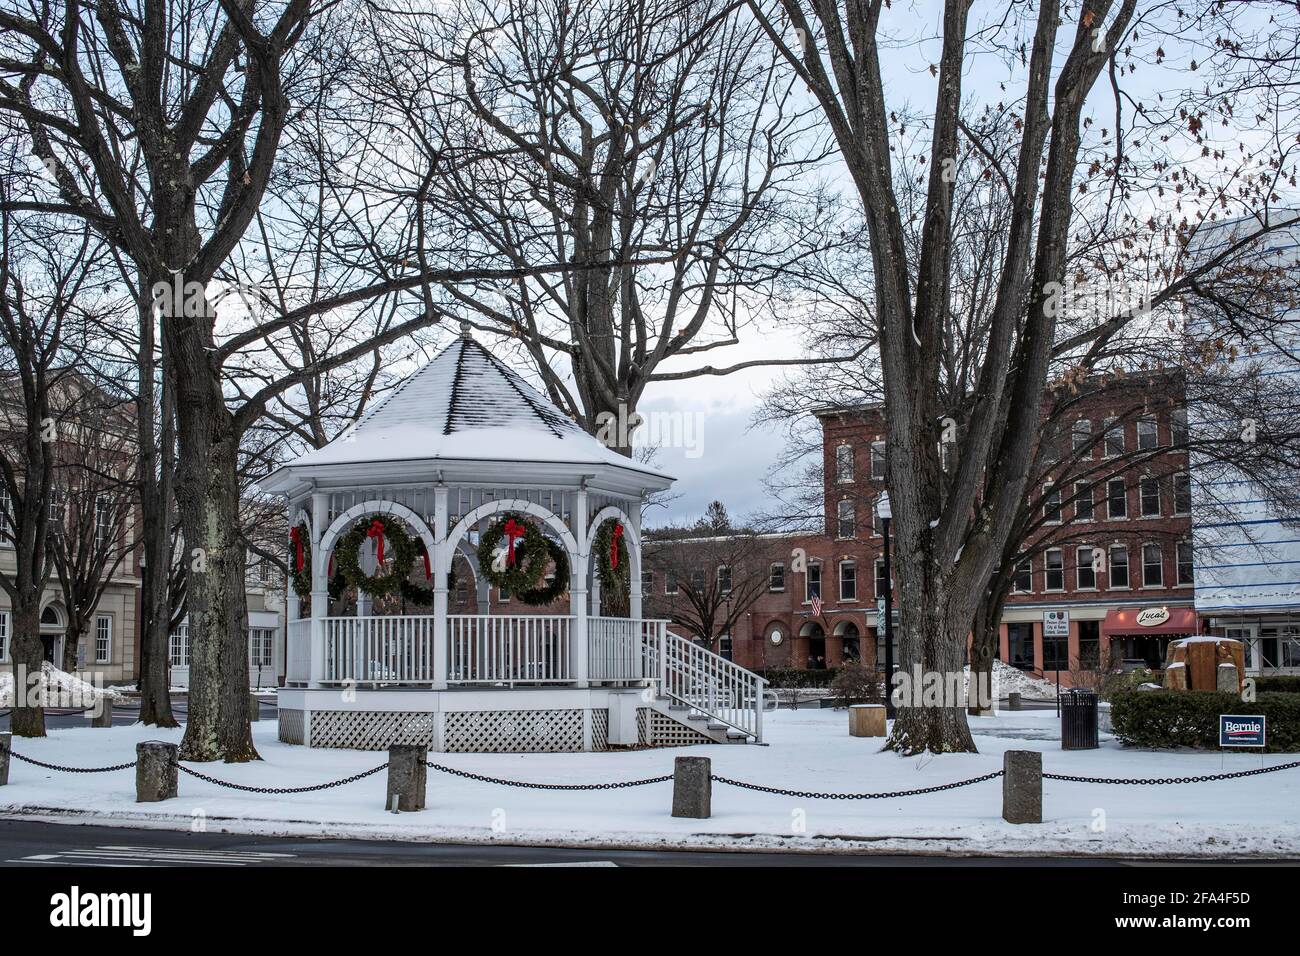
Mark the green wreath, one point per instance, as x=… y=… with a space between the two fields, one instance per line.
x=613 y=581
x=348 y=552
x=301 y=577
x=531 y=555
x=559 y=586
x=421 y=596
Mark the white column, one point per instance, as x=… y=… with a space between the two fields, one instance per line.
x=442 y=559
x=578 y=587
x=320 y=595
x=634 y=559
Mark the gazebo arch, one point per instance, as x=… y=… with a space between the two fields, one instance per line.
x=463 y=439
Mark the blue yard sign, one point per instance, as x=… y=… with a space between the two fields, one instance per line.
x=1238 y=730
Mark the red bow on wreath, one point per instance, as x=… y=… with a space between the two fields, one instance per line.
x=513 y=530
x=424 y=553
x=295 y=535
x=376 y=530
x=613 y=545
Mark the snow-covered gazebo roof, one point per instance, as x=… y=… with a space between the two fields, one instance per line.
x=466 y=415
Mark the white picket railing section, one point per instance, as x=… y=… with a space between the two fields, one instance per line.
x=705 y=681
x=298 y=651
x=614 y=649
x=509 y=649
x=381 y=650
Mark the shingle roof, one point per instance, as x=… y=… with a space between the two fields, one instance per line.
x=466 y=404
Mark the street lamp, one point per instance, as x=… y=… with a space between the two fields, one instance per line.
x=885 y=514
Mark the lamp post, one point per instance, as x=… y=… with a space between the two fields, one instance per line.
x=885 y=513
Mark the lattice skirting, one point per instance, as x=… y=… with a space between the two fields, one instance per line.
x=291 y=726
x=600 y=730
x=663 y=731
x=370 y=729
x=517 y=731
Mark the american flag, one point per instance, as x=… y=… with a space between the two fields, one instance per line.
x=817 y=605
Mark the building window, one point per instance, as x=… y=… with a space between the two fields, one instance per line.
x=647 y=582
x=1090 y=645
x=1182 y=494
x=697 y=580
x=57 y=510
x=1186 y=569
x=1081 y=434
x=261 y=643
x=848 y=581
x=670 y=582
x=875 y=517
x=179 y=646
x=1114 y=437
x=881 y=584
x=462 y=589
x=1116 y=498
x=1149 y=494
x=103 y=639
x=878 y=460
x=503 y=595
x=845 y=518
x=1153 y=566
x=1118 y=566
x=812 y=582
x=4 y=635
x=1084 y=508
x=1052 y=505
x=103 y=521
x=1056 y=652
x=1178 y=427
x=844 y=463
x=1148 y=433
x=776 y=577
x=1020 y=645
x=1085 y=572
x=6 y=517
x=1054 y=570
x=724 y=578
x=1024 y=581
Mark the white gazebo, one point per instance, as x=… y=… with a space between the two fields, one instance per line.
x=460 y=442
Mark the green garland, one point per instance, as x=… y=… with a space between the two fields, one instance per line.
x=531 y=555
x=615 y=582
x=301 y=578
x=559 y=586
x=347 y=557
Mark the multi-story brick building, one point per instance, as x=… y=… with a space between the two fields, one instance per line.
x=1102 y=550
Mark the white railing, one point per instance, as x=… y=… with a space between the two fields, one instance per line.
x=379 y=650
x=297 y=651
x=705 y=681
x=614 y=649
x=509 y=649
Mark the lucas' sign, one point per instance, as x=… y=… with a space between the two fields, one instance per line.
x=1238 y=730
x=1152 y=616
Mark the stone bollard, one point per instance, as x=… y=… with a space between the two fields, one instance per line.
x=155 y=771
x=866 y=720
x=408 y=776
x=1022 y=786
x=254 y=708
x=102 y=714
x=692 y=787
x=1013 y=700
x=5 y=742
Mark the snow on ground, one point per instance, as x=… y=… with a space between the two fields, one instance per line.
x=809 y=750
x=62 y=688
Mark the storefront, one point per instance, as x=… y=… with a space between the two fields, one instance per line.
x=1141 y=635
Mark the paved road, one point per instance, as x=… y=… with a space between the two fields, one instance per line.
x=24 y=843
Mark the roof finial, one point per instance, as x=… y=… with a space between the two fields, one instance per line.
x=465 y=329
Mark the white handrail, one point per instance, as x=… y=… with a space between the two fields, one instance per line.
x=704 y=681
x=614 y=649
x=509 y=649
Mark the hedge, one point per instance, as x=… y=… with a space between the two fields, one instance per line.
x=1162 y=719
x=798 y=677
x=1282 y=683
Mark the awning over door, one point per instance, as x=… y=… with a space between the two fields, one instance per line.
x=1139 y=621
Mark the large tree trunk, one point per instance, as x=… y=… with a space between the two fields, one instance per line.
x=932 y=716
x=72 y=640
x=27 y=654
x=984 y=645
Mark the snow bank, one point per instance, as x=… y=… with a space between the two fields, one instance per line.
x=1008 y=679
x=63 y=689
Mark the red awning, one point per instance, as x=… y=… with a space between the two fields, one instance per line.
x=1136 y=621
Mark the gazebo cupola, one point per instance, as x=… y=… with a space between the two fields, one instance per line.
x=465 y=458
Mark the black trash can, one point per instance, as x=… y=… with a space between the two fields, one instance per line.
x=1078 y=720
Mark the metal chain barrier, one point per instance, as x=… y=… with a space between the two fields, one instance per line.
x=282 y=790
x=54 y=766
x=548 y=786
x=811 y=795
x=1155 y=781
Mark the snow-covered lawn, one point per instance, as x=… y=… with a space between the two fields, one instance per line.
x=809 y=750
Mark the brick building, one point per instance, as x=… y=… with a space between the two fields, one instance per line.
x=1105 y=548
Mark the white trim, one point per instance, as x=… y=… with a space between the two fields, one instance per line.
x=107 y=658
x=373 y=506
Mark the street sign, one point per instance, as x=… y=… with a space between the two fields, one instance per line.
x=1056 y=624
x=1241 y=730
